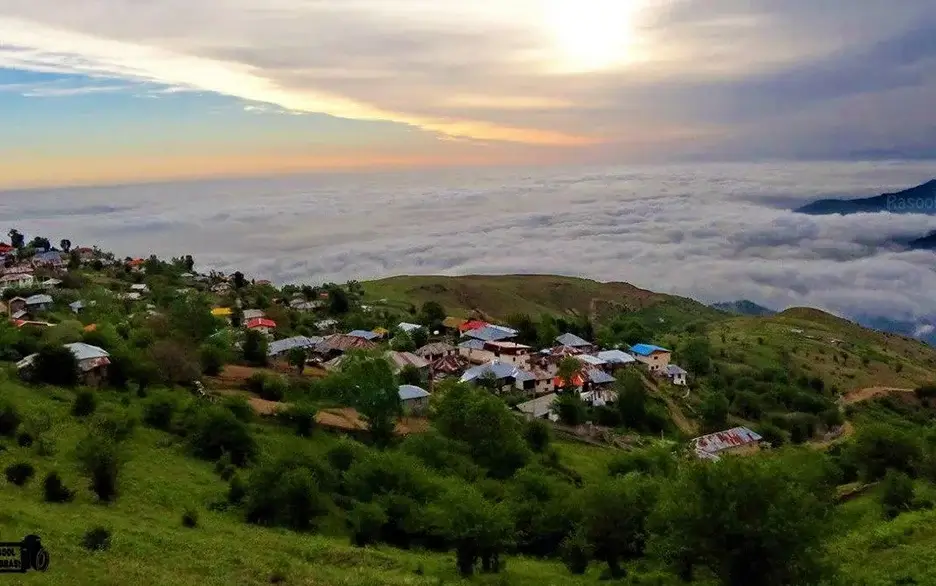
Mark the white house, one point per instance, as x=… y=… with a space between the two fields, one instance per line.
x=16 y=281
x=675 y=374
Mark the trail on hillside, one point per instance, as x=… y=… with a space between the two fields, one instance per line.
x=679 y=418
x=868 y=393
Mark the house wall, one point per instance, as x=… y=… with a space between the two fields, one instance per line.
x=679 y=379
x=520 y=360
x=416 y=406
x=656 y=361
x=477 y=356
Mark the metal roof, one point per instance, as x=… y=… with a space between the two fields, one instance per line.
x=249 y=314
x=593 y=360
x=84 y=351
x=408 y=327
x=615 y=357
x=723 y=440
x=539 y=407
x=434 y=349
x=646 y=349
x=409 y=392
x=673 y=370
x=287 y=344
x=572 y=340
x=472 y=345
x=77 y=305
x=490 y=334
x=38 y=299
x=500 y=370
x=599 y=377
x=363 y=334
x=401 y=359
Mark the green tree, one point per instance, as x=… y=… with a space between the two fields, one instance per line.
x=547 y=331
x=40 y=243
x=525 y=326
x=212 y=359
x=696 y=355
x=17 y=240
x=431 y=314
x=570 y=408
x=338 y=302
x=297 y=359
x=751 y=521
x=632 y=399
x=56 y=365
x=192 y=317
x=376 y=394
x=568 y=368
x=476 y=527
x=896 y=493
x=101 y=461
x=420 y=337
x=255 y=348
x=879 y=447
x=714 y=411
x=65 y=245
x=239 y=281
x=402 y=342
x=410 y=375
x=175 y=363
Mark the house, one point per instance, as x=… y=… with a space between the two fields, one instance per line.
x=38 y=302
x=136 y=264
x=408 y=327
x=262 y=325
x=364 y=334
x=587 y=379
x=592 y=360
x=436 y=350
x=139 y=288
x=676 y=375
x=303 y=305
x=469 y=325
x=132 y=296
x=85 y=254
x=337 y=344
x=326 y=324
x=51 y=259
x=539 y=408
x=76 y=306
x=250 y=314
x=573 y=341
x=16 y=280
x=474 y=351
x=381 y=332
x=655 y=357
x=50 y=283
x=415 y=400
x=16 y=305
x=448 y=365
x=506 y=376
x=738 y=440
x=280 y=347
x=186 y=276
x=511 y=352
x=400 y=360
x=92 y=362
x=5 y=249
x=615 y=359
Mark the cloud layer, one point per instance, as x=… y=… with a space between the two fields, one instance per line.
x=736 y=78
x=714 y=232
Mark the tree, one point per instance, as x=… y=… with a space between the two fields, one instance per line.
x=338 y=303
x=632 y=399
x=192 y=317
x=237 y=317
x=176 y=364
x=570 y=408
x=880 y=447
x=420 y=337
x=65 y=245
x=696 y=355
x=56 y=365
x=615 y=516
x=896 y=494
x=402 y=342
x=239 y=281
x=41 y=243
x=476 y=527
x=431 y=314
x=189 y=263
x=297 y=359
x=212 y=359
x=547 y=331
x=17 y=240
x=101 y=461
x=377 y=395
x=751 y=521
x=410 y=375
x=567 y=371
x=255 y=348
x=714 y=411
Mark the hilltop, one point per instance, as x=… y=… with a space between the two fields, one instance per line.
x=743 y=307
x=915 y=200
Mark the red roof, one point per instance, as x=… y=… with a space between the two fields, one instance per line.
x=136 y=262
x=4 y=247
x=578 y=380
x=474 y=324
x=260 y=322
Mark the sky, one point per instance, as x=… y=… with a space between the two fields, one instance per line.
x=115 y=91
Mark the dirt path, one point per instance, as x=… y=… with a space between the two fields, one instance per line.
x=866 y=394
x=679 y=418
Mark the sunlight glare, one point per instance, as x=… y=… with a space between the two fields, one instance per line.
x=592 y=35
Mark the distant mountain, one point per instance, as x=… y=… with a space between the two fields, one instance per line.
x=916 y=200
x=744 y=307
x=923 y=331
x=927 y=242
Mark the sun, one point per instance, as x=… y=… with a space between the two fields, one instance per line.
x=591 y=35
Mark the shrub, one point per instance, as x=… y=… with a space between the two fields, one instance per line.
x=212 y=359
x=24 y=439
x=56 y=365
x=237 y=490
x=159 y=410
x=19 y=473
x=115 y=424
x=343 y=454
x=537 y=435
x=55 y=491
x=366 y=521
x=772 y=434
x=926 y=391
x=85 y=404
x=190 y=518
x=100 y=460
x=274 y=388
x=97 y=539
x=9 y=418
x=896 y=493
x=214 y=431
x=290 y=499
x=301 y=418
x=576 y=552
x=239 y=407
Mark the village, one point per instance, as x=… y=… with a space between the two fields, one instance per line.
x=467 y=350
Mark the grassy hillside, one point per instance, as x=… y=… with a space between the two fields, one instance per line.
x=149 y=544
x=501 y=295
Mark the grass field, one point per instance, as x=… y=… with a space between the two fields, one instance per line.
x=160 y=481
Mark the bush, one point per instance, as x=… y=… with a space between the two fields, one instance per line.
x=239 y=407
x=537 y=435
x=56 y=365
x=926 y=391
x=290 y=498
x=366 y=521
x=85 y=404
x=190 y=518
x=115 y=424
x=19 y=473
x=97 y=539
x=55 y=491
x=772 y=434
x=301 y=418
x=343 y=454
x=100 y=460
x=237 y=490
x=214 y=431
x=9 y=418
x=159 y=410
x=576 y=552
x=896 y=494
x=24 y=439
x=212 y=359
x=274 y=388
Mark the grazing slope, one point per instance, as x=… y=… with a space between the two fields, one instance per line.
x=916 y=200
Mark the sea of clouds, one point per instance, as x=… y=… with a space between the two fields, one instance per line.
x=714 y=232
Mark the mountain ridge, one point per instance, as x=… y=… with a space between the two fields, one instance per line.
x=920 y=199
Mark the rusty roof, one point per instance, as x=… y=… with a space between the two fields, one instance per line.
x=724 y=440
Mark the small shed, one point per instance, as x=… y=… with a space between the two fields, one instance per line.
x=415 y=399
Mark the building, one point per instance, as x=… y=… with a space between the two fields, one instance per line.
x=250 y=314
x=506 y=376
x=415 y=400
x=491 y=333
x=615 y=359
x=51 y=259
x=15 y=306
x=262 y=325
x=469 y=325
x=738 y=440
x=573 y=341
x=76 y=306
x=280 y=347
x=400 y=360
x=364 y=335
x=436 y=350
x=676 y=375
x=539 y=408
x=453 y=324
x=222 y=312
x=17 y=280
x=40 y=302
x=510 y=352
x=408 y=327
x=338 y=344
x=140 y=288
x=655 y=357
x=50 y=283
x=474 y=352
x=92 y=363
x=446 y=366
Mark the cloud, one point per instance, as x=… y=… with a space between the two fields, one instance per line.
x=720 y=78
x=701 y=230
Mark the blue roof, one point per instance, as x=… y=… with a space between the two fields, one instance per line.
x=490 y=334
x=363 y=334
x=646 y=349
x=472 y=345
x=408 y=392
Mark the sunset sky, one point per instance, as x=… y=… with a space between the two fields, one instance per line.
x=101 y=91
